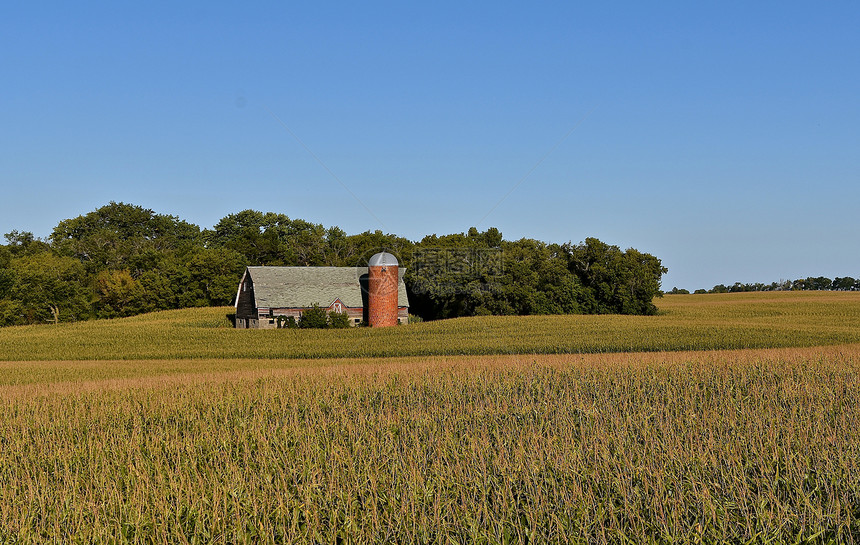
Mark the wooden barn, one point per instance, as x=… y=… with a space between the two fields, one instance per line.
x=265 y=293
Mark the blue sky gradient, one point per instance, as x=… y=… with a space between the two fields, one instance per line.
x=722 y=137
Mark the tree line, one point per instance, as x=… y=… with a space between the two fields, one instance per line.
x=122 y=259
x=812 y=283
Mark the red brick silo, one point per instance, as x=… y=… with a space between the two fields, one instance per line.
x=382 y=282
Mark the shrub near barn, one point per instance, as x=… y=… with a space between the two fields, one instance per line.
x=316 y=317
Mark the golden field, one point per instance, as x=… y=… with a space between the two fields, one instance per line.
x=173 y=428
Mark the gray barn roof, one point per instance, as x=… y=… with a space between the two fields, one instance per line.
x=302 y=287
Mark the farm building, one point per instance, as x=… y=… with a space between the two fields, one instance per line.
x=374 y=294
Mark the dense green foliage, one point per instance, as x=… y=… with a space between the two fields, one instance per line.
x=121 y=260
x=338 y=320
x=529 y=277
x=314 y=318
x=816 y=283
x=317 y=318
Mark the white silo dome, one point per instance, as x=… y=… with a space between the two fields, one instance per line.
x=383 y=259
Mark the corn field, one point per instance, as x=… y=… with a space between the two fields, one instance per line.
x=734 y=447
x=686 y=322
x=717 y=446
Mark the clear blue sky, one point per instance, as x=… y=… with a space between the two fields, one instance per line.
x=722 y=137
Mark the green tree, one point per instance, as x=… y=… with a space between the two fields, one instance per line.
x=118 y=294
x=268 y=238
x=123 y=236
x=363 y=245
x=11 y=313
x=844 y=284
x=20 y=243
x=50 y=288
x=172 y=285
x=338 y=320
x=314 y=318
x=536 y=278
x=615 y=281
x=819 y=283
x=5 y=257
x=444 y=277
x=7 y=276
x=215 y=273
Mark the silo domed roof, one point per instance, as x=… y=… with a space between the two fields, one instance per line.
x=383 y=259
